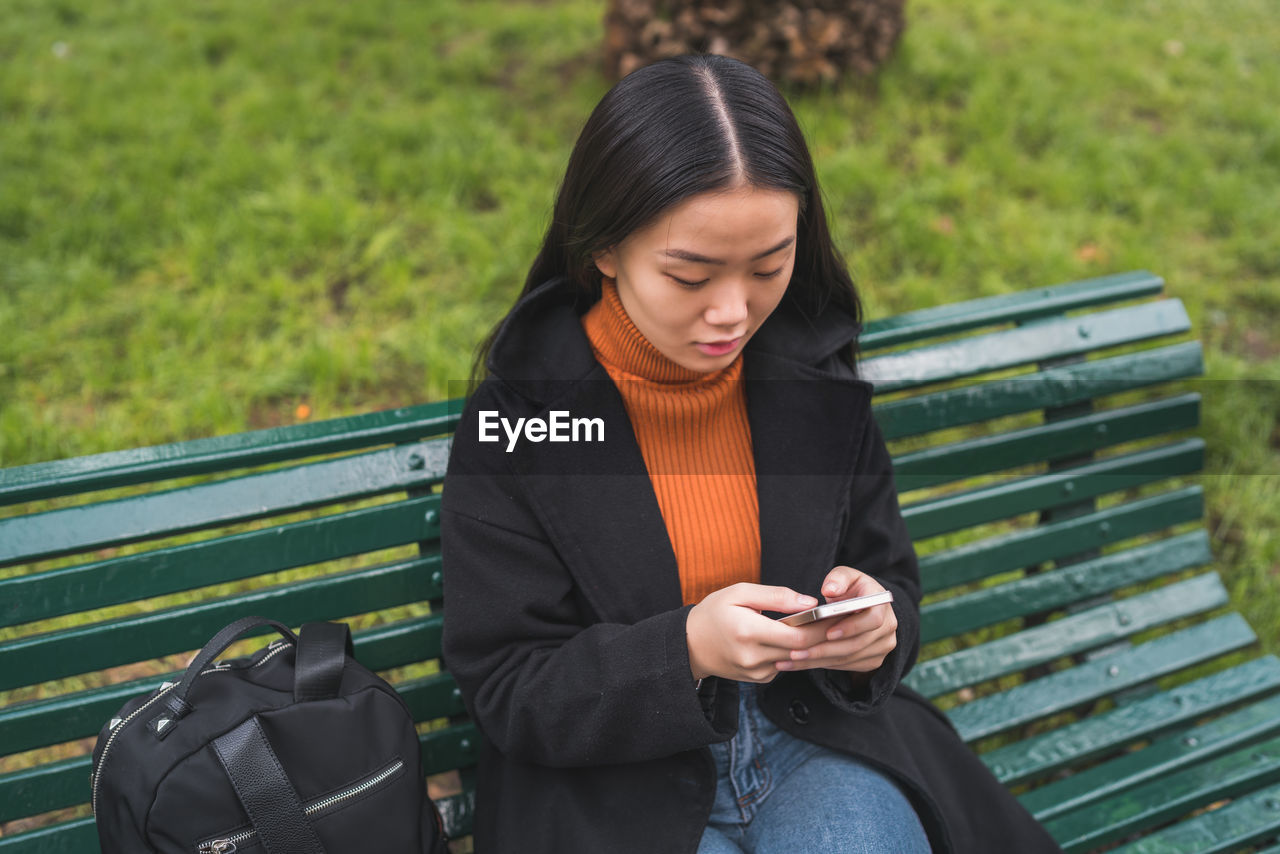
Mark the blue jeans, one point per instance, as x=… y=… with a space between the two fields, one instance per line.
x=777 y=793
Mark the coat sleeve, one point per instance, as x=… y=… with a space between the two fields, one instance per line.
x=876 y=542
x=544 y=680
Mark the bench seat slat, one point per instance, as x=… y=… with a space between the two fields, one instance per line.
x=1245 y=821
x=78 y=836
x=1004 y=308
x=129 y=520
x=223 y=453
x=1014 y=496
x=1028 y=546
x=94 y=647
x=159 y=572
x=1175 y=794
x=1047 y=339
x=1069 y=437
x=1155 y=762
x=1092 y=680
x=1050 y=590
x=1131 y=722
x=975 y=402
x=1077 y=633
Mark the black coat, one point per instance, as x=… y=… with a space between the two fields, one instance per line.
x=566 y=630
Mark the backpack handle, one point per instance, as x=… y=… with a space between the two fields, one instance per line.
x=175 y=703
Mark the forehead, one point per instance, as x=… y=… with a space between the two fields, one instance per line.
x=729 y=225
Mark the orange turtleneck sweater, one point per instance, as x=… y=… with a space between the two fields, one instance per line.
x=696 y=442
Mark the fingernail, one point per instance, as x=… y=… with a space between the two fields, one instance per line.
x=806 y=601
x=785 y=665
x=799 y=654
x=835 y=634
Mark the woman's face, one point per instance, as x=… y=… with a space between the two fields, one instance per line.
x=700 y=280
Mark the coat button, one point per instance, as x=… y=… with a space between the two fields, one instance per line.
x=799 y=711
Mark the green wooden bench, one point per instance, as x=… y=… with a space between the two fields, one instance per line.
x=1073 y=627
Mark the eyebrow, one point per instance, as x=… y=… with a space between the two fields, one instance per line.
x=685 y=255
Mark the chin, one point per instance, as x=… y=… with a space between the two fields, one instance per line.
x=707 y=364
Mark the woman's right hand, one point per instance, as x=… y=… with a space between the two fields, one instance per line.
x=729 y=637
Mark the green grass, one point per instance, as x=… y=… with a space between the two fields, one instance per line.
x=212 y=214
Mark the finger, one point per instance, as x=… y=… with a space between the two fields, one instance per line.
x=796 y=646
x=763 y=597
x=838 y=582
x=845 y=582
x=862 y=622
x=863 y=646
x=785 y=639
x=858 y=665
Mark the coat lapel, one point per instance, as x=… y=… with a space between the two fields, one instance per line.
x=600 y=508
x=805 y=429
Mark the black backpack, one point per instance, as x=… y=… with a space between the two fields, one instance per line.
x=298 y=749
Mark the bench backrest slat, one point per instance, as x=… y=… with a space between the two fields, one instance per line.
x=1085 y=434
x=974 y=561
x=1041 y=492
x=972 y=403
x=242 y=499
x=1077 y=633
x=1045 y=339
x=40 y=596
x=1045 y=592
x=101 y=645
x=1009 y=308
x=224 y=453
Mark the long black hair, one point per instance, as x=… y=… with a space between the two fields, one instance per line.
x=670 y=131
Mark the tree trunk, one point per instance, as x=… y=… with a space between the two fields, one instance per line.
x=801 y=42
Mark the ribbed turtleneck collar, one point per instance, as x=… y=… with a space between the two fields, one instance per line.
x=622 y=348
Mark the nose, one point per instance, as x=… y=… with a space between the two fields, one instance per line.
x=728 y=305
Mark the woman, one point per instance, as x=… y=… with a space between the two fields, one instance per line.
x=671 y=447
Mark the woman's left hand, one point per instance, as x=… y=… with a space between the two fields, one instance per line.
x=859 y=642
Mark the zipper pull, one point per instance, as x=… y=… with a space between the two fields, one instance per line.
x=218 y=846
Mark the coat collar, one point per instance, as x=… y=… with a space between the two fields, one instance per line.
x=541 y=343
x=596 y=498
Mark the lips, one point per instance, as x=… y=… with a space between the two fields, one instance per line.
x=718 y=348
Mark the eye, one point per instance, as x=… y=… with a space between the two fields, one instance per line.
x=769 y=275
x=686 y=284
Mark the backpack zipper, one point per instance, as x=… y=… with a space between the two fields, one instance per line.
x=118 y=724
x=121 y=723
x=228 y=844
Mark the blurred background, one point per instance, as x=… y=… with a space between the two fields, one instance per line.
x=228 y=215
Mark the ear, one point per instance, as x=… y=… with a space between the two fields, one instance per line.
x=606 y=262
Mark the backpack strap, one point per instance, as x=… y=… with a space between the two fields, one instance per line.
x=322 y=654
x=273 y=805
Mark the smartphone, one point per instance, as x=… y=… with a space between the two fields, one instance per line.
x=837 y=609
